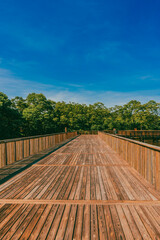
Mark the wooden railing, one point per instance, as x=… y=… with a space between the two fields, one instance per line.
x=145 y=158
x=13 y=150
x=138 y=133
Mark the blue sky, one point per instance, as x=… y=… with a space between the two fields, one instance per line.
x=84 y=51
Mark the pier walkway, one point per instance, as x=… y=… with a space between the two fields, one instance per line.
x=83 y=190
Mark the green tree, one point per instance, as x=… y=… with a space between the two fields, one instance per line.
x=10 y=119
x=39 y=115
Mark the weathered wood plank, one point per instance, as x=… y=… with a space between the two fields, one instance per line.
x=75 y=194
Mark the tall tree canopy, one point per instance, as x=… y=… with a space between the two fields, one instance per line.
x=38 y=115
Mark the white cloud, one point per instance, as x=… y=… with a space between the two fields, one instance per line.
x=13 y=86
x=5 y=73
x=109 y=98
x=145 y=77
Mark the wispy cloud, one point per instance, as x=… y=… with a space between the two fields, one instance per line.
x=14 y=86
x=148 y=78
x=75 y=85
x=5 y=73
x=145 y=77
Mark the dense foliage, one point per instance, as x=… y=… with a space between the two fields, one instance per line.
x=38 y=115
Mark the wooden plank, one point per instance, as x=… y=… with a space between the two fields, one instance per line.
x=42 y=220
x=43 y=233
x=109 y=223
x=94 y=223
x=124 y=223
x=56 y=223
x=86 y=223
x=139 y=223
x=10 y=219
x=75 y=194
x=102 y=223
x=17 y=224
x=71 y=223
x=63 y=223
x=117 y=224
x=79 y=223
x=146 y=222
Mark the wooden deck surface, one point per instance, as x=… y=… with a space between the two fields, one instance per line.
x=81 y=191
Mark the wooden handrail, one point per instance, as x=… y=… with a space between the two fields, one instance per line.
x=136 y=142
x=139 y=132
x=30 y=137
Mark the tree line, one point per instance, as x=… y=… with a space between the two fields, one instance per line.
x=36 y=115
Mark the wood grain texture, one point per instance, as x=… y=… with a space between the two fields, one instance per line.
x=83 y=190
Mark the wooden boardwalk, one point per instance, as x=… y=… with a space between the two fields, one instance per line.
x=81 y=191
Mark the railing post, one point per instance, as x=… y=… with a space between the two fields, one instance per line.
x=6 y=160
x=15 y=155
x=29 y=148
x=157 y=170
x=23 y=149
